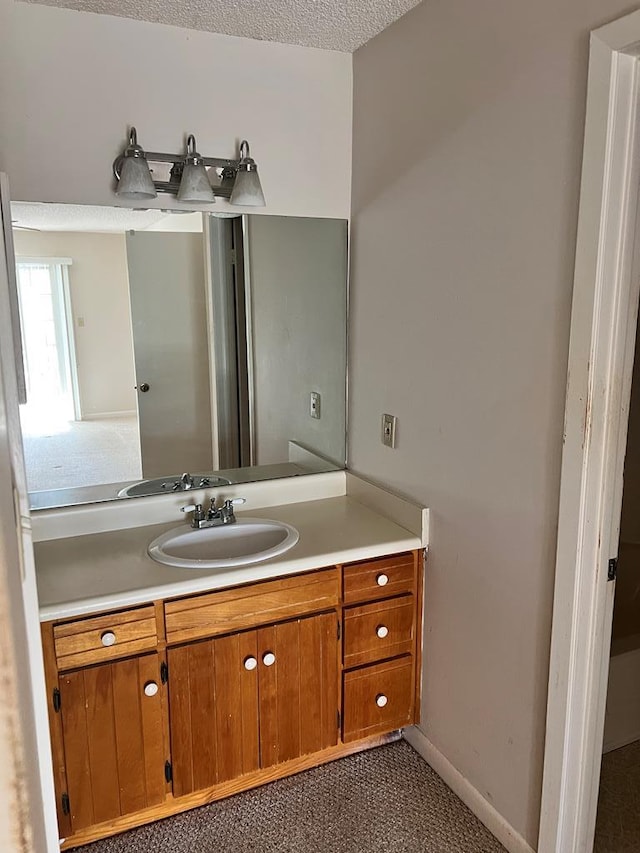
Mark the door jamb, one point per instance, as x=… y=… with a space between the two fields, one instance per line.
x=603 y=326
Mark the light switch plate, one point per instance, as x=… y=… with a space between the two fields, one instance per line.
x=314 y=405
x=389 y=430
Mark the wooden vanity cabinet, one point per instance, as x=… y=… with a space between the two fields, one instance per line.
x=107 y=711
x=159 y=708
x=382 y=655
x=250 y=700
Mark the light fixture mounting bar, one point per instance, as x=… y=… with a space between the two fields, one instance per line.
x=216 y=162
x=173 y=187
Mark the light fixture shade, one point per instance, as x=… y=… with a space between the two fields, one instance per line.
x=135 y=179
x=247 y=190
x=132 y=172
x=195 y=186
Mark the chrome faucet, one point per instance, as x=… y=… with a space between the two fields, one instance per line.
x=215 y=516
x=185 y=482
x=188 y=482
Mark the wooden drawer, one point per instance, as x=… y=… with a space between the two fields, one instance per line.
x=250 y=606
x=383 y=629
x=381 y=578
x=378 y=698
x=100 y=638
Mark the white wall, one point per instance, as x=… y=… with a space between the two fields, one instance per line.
x=468 y=126
x=79 y=80
x=298 y=273
x=100 y=296
x=5 y=75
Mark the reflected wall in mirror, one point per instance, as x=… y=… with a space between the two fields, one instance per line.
x=157 y=344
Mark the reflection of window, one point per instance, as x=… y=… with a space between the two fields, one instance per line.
x=43 y=293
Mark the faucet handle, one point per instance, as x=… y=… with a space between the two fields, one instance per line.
x=235 y=502
x=227 y=510
x=198 y=516
x=198 y=512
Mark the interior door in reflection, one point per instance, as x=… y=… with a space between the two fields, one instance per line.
x=169 y=322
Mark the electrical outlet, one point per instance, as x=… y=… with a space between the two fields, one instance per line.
x=314 y=405
x=389 y=430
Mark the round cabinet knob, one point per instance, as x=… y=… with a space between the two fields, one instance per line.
x=382 y=580
x=108 y=638
x=150 y=688
x=381 y=700
x=268 y=658
x=144 y=387
x=382 y=631
x=250 y=663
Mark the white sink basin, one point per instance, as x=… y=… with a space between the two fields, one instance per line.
x=248 y=540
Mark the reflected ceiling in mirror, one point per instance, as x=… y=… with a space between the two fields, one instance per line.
x=158 y=344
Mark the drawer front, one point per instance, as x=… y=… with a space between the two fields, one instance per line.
x=379 y=630
x=251 y=606
x=379 y=578
x=378 y=699
x=100 y=638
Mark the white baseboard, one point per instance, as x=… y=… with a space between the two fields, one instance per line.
x=105 y=416
x=469 y=795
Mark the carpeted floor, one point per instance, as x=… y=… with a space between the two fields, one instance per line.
x=618 y=821
x=386 y=800
x=81 y=453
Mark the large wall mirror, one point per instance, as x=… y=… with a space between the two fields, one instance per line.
x=168 y=350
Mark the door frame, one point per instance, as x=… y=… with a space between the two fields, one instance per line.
x=601 y=349
x=63 y=308
x=27 y=779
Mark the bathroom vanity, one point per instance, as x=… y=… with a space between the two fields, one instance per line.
x=170 y=688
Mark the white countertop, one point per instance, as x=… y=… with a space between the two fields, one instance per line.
x=102 y=571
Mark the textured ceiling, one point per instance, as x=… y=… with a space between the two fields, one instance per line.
x=38 y=216
x=331 y=24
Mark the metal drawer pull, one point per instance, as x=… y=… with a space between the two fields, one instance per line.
x=382 y=580
x=250 y=663
x=108 y=638
x=268 y=658
x=150 y=688
x=382 y=631
x=381 y=700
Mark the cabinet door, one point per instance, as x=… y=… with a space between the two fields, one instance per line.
x=250 y=700
x=213 y=696
x=113 y=739
x=298 y=686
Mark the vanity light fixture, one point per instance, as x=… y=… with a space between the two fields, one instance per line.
x=246 y=188
x=132 y=172
x=187 y=176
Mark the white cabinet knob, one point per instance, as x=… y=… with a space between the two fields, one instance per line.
x=108 y=638
x=250 y=663
x=268 y=658
x=382 y=580
x=150 y=688
x=382 y=631
x=381 y=700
